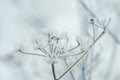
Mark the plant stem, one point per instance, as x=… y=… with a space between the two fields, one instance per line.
x=83 y=54
x=71 y=73
x=53 y=71
x=83 y=73
x=73 y=65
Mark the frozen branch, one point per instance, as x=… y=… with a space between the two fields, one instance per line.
x=53 y=71
x=92 y=22
x=111 y=34
x=69 y=55
x=54 y=50
x=31 y=53
x=78 y=44
x=41 y=49
x=84 y=53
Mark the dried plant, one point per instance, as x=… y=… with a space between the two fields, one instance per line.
x=54 y=46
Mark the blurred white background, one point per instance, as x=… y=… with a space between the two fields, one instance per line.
x=22 y=19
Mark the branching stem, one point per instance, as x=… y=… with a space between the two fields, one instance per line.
x=83 y=54
x=31 y=53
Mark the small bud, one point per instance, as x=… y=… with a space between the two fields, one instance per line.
x=92 y=21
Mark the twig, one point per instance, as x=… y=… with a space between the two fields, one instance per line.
x=71 y=73
x=72 y=65
x=83 y=54
x=78 y=44
x=31 y=53
x=83 y=73
x=53 y=71
x=63 y=56
x=92 y=22
x=111 y=34
x=41 y=49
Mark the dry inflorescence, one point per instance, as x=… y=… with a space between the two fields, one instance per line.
x=54 y=46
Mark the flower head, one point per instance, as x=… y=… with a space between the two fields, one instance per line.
x=52 y=44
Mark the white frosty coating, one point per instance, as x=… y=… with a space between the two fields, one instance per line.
x=16 y=23
x=53 y=44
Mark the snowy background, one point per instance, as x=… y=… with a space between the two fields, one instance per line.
x=20 y=20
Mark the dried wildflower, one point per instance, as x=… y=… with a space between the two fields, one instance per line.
x=52 y=45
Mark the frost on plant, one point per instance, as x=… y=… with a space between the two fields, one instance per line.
x=54 y=45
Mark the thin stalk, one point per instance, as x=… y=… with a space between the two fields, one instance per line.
x=53 y=71
x=73 y=65
x=83 y=73
x=78 y=44
x=83 y=54
x=93 y=31
x=71 y=73
x=31 y=53
x=69 y=55
x=111 y=34
x=41 y=49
